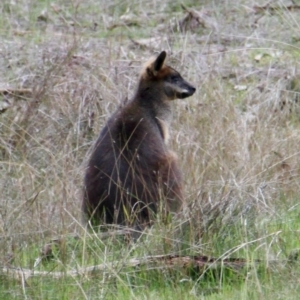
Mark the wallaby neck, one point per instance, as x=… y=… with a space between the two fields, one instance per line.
x=152 y=101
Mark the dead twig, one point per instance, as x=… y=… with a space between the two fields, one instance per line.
x=16 y=92
x=273 y=8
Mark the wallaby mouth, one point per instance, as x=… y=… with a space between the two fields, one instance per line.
x=187 y=93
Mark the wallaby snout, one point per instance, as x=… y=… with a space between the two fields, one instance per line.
x=187 y=90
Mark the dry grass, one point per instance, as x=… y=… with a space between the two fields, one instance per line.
x=238 y=146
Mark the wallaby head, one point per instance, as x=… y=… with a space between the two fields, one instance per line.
x=164 y=80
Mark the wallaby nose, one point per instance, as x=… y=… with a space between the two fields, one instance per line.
x=188 y=92
x=192 y=89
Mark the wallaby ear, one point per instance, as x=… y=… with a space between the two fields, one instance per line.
x=159 y=62
x=154 y=66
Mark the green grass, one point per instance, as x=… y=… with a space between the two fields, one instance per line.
x=269 y=241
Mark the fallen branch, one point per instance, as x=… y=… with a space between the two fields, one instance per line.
x=198 y=263
x=272 y=8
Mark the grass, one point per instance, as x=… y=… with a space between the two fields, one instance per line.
x=239 y=149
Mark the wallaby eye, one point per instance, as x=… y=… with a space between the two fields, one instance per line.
x=174 y=77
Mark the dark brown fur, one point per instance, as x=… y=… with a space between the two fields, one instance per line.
x=132 y=171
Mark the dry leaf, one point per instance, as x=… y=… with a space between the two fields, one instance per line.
x=43 y=16
x=126 y=20
x=240 y=87
x=153 y=43
x=259 y=56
